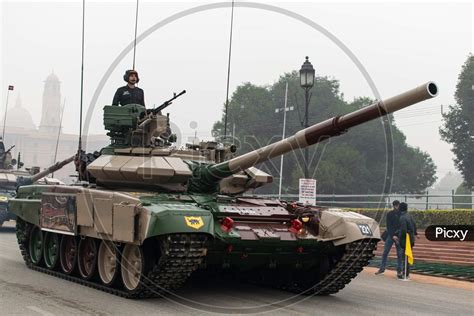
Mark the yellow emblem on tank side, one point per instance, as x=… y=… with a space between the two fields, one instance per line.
x=195 y=222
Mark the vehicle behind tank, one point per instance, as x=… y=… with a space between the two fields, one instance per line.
x=151 y=214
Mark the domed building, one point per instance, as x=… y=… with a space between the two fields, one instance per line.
x=37 y=145
x=19 y=117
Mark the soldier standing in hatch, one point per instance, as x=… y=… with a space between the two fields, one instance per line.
x=129 y=94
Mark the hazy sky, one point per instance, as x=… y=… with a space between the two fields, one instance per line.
x=400 y=44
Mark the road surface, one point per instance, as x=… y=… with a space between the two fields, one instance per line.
x=23 y=291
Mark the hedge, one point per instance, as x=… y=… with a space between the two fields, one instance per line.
x=426 y=218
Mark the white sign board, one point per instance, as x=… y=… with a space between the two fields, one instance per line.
x=307 y=191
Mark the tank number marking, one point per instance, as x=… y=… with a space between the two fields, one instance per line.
x=365 y=229
x=195 y=222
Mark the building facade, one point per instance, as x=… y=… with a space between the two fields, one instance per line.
x=37 y=145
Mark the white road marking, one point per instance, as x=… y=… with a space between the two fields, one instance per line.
x=39 y=311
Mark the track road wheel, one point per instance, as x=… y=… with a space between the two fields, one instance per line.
x=36 y=246
x=133 y=266
x=68 y=254
x=108 y=262
x=51 y=250
x=87 y=259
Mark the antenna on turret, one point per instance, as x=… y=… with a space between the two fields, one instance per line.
x=79 y=149
x=228 y=70
x=59 y=134
x=135 y=40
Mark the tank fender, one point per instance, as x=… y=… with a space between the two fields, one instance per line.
x=179 y=218
x=345 y=227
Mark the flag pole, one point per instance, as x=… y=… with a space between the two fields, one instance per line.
x=406 y=265
x=6 y=108
x=407 y=246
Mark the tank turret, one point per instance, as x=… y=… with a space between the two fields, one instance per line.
x=141 y=154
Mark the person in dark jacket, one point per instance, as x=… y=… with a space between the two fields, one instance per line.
x=407 y=225
x=129 y=94
x=393 y=226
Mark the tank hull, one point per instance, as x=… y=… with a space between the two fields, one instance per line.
x=176 y=235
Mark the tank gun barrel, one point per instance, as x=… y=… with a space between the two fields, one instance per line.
x=58 y=165
x=316 y=133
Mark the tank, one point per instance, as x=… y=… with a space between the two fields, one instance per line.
x=8 y=176
x=148 y=215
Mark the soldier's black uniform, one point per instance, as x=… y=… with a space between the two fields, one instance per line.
x=126 y=95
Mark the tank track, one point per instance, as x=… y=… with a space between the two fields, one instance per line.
x=356 y=256
x=181 y=255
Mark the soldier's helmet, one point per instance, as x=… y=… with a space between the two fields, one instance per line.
x=127 y=74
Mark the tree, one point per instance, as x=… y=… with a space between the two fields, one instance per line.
x=353 y=163
x=463 y=202
x=458 y=128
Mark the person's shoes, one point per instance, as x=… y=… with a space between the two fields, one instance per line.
x=400 y=276
x=379 y=272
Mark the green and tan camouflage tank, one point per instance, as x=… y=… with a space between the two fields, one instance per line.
x=150 y=214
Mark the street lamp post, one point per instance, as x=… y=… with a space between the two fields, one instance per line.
x=306 y=82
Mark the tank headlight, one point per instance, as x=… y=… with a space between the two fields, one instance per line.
x=305 y=219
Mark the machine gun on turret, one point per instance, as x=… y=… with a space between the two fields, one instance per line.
x=167 y=103
x=9 y=150
x=133 y=125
